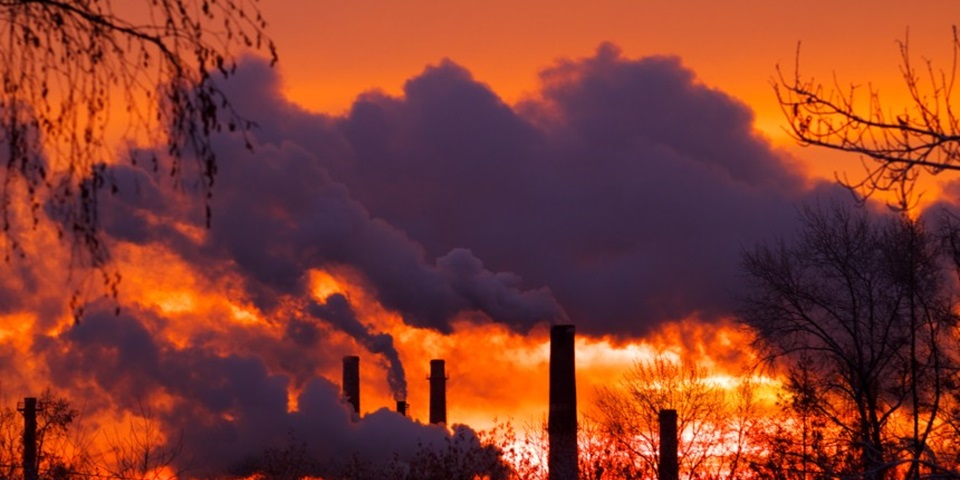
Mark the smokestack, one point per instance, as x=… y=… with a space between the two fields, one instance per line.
x=351 y=382
x=402 y=407
x=669 y=463
x=29 y=438
x=562 y=421
x=438 y=392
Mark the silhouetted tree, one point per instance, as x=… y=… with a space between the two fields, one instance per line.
x=63 y=446
x=896 y=148
x=715 y=422
x=80 y=77
x=859 y=309
x=139 y=450
x=801 y=443
x=525 y=449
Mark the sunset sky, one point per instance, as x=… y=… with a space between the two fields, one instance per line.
x=444 y=180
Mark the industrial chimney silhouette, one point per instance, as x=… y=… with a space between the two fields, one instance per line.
x=562 y=420
x=438 y=392
x=669 y=462
x=351 y=382
x=29 y=459
x=402 y=407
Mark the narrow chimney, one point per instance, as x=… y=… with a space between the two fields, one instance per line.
x=351 y=382
x=29 y=438
x=438 y=392
x=402 y=407
x=562 y=421
x=669 y=462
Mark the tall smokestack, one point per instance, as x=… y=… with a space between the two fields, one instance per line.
x=669 y=462
x=351 y=382
x=562 y=422
x=29 y=459
x=438 y=392
x=402 y=407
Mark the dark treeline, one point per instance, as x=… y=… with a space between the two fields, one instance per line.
x=860 y=313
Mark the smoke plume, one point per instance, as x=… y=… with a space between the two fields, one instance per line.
x=337 y=311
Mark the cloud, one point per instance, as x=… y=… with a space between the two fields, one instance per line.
x=224 y=407
x=617 y=197
x=625 y=187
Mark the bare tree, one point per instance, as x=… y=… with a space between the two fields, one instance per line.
x=800 y=442
x=895 y=147
x=63 y=443
x=860 y=306
x=525 y=448
x=80 y=77
x=714 y=435
x=141 y=451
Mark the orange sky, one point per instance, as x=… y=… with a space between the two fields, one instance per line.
x=333 y=50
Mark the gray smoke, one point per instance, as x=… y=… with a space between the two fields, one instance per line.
x=336 y=310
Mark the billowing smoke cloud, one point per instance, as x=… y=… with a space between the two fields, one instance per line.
x=228 y=407
x=619 y=197
x=336 y=310
x=625 y=187
x=279 y=215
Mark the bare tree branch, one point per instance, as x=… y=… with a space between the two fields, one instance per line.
x=896 y=148
x=78 y=78
x=859 y=311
